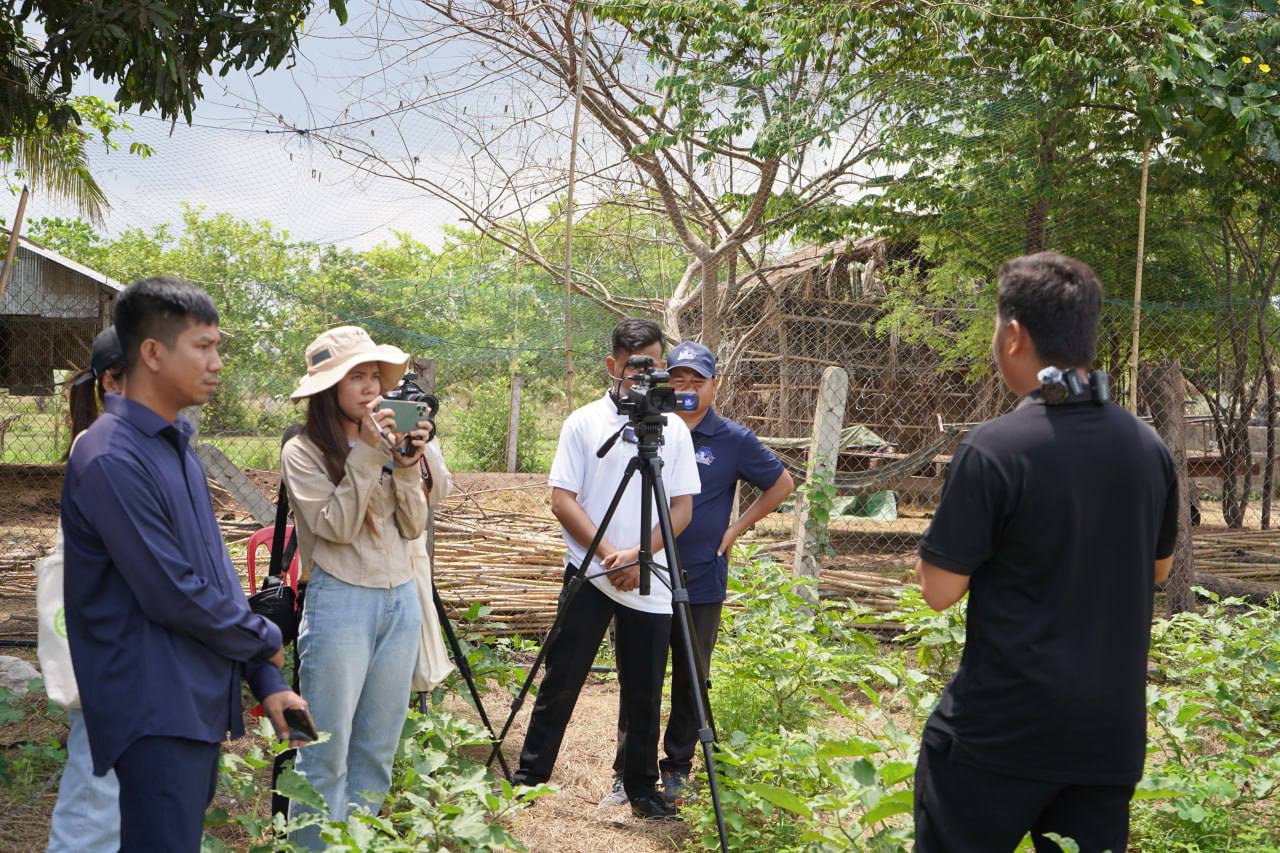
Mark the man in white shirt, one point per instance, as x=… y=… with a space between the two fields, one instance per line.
x=582 y=487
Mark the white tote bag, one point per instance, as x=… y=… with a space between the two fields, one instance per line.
x=53 y=649
x=433 y=665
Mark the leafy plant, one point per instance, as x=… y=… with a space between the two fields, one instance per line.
x=809 y=791
x=480 y=428
x=820 y=494
x=493 y=661
x=440 y=799
x=787 y=653
x=937 y=639
x=1214 y=749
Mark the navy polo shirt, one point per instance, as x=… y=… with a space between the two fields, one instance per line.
x=159 y=627
x=726 y=452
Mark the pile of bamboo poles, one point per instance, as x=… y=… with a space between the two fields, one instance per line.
x=1248 y=555
x=877 y=590
x=514 y=567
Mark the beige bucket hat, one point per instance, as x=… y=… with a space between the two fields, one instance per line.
x=331 y=355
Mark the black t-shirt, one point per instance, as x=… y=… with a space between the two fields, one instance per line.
x=1058 y=513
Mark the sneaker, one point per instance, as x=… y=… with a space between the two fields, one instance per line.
x=653 y=807
x=617 y=795
x=675 y=787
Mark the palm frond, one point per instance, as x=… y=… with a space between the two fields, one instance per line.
x=58 y=164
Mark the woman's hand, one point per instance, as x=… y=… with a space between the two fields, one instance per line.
x=417 y=443
x=379 y=418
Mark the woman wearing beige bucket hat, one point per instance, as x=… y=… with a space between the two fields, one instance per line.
x=358 y=507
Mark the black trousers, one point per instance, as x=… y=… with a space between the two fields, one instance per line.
x=642 y=640
x=166 y=783
x=680 y=741
x=964 y=809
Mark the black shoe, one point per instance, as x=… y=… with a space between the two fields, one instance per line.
x=653 y=807
x=675 y=787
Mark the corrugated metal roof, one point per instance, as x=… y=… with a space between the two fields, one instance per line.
x=63 y=261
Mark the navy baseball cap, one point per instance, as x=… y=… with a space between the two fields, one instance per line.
x=105 y=354
x=694 y=356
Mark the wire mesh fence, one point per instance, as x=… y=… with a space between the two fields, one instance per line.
x=891 y=280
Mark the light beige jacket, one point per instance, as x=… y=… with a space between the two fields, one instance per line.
x=330 y=519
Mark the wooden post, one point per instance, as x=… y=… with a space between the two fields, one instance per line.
x=513 y=423
x=1164 y=394
x=824 y=451
x=1137 y=279
x=579 y=74
x=425 y=368
x=13 y=240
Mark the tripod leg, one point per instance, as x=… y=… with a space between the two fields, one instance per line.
x=570 y=589
x=682 y=613
x=464 y=668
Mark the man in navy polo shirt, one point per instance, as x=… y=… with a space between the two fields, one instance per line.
x=160 y=631
x=726 y=452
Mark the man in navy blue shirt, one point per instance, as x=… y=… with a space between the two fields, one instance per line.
x=159 y=627
x=726 y=452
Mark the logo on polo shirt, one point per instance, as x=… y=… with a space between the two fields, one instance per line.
x=704 y=456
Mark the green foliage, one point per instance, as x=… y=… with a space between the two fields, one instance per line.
x=156 y=53
x=936 y=640
x=26 y=765
x=820 y=496
x=786 y=654
x=724 y=62
x=479 y=429
x=801 y=768
x=56 y=162
x=494 y=661
x=440 y=799
x=809 y=791
x=1214 y=751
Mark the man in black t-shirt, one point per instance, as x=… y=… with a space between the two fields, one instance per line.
x=1057 y=519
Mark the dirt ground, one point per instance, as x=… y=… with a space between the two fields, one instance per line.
x=572 y=821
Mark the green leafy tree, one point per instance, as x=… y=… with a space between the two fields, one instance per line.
x=155 y=52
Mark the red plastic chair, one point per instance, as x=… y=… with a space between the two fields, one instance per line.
x=263 y=538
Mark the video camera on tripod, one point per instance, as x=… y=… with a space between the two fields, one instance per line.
x=650 y=397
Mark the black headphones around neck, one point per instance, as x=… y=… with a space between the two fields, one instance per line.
x=1065 y=386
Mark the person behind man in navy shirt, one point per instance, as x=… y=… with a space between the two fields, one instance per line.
x=726 y=452
x=159 y=627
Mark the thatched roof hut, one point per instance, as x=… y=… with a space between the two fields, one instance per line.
x=822 y=306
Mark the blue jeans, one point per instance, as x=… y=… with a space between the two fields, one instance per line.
x=357 y=647
x=87 y=816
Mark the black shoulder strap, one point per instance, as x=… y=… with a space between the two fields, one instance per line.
x=277 y=539
x=282 y=553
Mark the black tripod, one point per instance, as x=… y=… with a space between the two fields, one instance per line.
x=464 y=669
x=648 y=432
x=455 y=647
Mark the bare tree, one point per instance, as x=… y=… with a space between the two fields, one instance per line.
x=732 y=140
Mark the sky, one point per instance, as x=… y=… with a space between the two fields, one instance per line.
x=235 y=159
x=386 y=84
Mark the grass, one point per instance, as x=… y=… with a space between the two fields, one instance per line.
x=261 y=452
